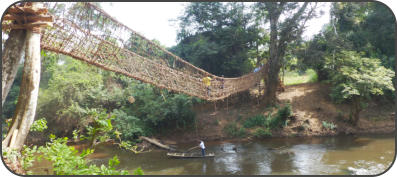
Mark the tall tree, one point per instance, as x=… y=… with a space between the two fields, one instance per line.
x=218 y=37
x=356 y=79
x=281 y=34
x=369 y=26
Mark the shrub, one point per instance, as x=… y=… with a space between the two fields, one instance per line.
x=67 y=161
x=130 y=127
x=280 y=119
x=257 y=120
x=284 y=113
x=329 y=125
x=100 y=128
x=232 y=130
x=260 y=133
x=39 y=125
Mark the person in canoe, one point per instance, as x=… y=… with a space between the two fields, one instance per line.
x=202 y=147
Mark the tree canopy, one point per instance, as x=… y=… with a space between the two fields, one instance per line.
x=219 y=37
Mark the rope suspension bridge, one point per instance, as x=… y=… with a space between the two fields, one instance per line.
x=85 y=32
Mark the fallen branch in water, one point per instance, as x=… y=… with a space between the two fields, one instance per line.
x=157 y=143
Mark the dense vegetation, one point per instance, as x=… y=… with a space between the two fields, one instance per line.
x=221 y=38
x=355 y=54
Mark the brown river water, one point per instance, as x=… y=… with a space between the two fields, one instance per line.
x=369 y=155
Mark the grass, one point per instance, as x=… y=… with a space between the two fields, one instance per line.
x=294 y=78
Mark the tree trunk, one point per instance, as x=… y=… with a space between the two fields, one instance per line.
x=12 y=54
x=271 y=80
x=28 y=94
x=279 y=41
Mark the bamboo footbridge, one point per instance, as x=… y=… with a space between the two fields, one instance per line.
x=87 y=33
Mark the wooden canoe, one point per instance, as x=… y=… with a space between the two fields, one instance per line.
x=188 y=155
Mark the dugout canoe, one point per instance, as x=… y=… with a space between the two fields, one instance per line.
x=189 y=155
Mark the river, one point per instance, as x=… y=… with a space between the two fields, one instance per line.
x=369 y=155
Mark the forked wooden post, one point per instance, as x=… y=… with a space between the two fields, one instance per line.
x=28 y=94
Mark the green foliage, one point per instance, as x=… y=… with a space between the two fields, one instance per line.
x=28 y=157
x=356 y=76
x=357 y=79
x=63 y=99
x=294 y=78
x=369 y=27
x=329 y=125
x=221 y=38
x=284 y=113
x=161 y=110
x=100 y=128
x=130 y=126
x=68 y=99
x=66 y=161
x=138 y=171
x=261 y=133
x=280 y=119
x=39 y=125
x=272 y=122
x=257 y=120
x=232 y=130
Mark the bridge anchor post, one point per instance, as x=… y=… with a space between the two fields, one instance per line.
x=27 y=16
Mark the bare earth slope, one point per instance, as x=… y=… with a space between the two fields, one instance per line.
x=311 y=105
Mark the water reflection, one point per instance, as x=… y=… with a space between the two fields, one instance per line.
x=307 y=159
x=228 y=161
x=322 y=155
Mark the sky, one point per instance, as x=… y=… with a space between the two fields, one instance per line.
x=154 y=19
x=151 y=19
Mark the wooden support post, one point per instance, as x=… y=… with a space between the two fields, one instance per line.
x=27 y=100
x=29 y=90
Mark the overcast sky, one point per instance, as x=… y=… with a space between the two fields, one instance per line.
x=152 y=19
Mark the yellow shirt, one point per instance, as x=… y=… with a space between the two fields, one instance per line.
x=207 y=81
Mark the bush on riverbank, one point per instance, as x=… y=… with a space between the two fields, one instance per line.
x=257 y=120
x=261 y=133
x=232 y=130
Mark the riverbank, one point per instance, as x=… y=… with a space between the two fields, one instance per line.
x=311 y=107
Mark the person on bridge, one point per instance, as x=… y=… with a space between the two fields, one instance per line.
x=207 y=83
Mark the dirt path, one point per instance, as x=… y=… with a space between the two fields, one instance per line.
x=311 y=105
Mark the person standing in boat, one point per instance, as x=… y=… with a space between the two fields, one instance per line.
x=202 y=147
